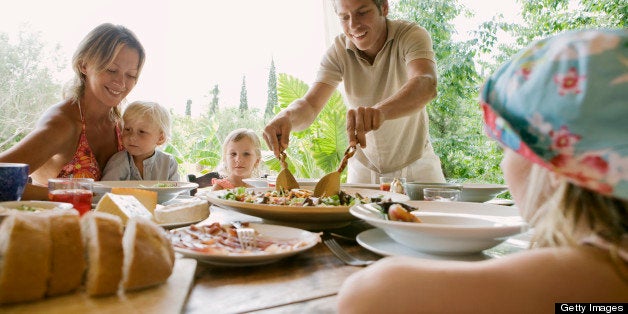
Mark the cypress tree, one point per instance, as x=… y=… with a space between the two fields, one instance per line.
x=188 y=108
x=244 y=103
x=214 y=104
x=271 y=101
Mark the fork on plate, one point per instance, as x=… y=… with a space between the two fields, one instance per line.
x=341 y=254
x=246 y=236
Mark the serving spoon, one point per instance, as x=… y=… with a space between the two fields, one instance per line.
x=329 y=184
x=285 y=180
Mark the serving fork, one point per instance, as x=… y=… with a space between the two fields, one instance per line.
x=341 y=254
x=246 y=236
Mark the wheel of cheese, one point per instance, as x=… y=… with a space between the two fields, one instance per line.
x=183 y=212
x=147 y=198
x=123 y=206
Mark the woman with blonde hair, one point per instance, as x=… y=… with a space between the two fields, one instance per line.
x=77 y=136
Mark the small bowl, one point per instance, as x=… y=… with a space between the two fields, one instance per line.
x=478 y=192
x=6 y=208
x=415 y=189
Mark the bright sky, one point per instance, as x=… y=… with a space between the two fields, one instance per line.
x=192 y=45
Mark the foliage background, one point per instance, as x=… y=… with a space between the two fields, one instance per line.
x=28 y=86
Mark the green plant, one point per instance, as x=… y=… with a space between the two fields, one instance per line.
x=318 y=149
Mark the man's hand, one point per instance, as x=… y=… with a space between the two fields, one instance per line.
x=277 y=134
x=360 y=121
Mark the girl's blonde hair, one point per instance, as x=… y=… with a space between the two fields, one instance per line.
x=100 y=47
x=151 y=111
x=565 y=212
x=235 y=136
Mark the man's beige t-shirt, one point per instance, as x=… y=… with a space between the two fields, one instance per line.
x=400 y=142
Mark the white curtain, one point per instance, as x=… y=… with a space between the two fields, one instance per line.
x=332 y=25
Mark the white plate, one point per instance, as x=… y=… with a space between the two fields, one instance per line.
x=251 y=259
x=449 y=228
x=258 y=183
x=377 y=241
x=44 y=205
x=174 y=225
x=303 y=182
x=311 y=218
x=164 y=194
x=478 y=192
x=372 y=186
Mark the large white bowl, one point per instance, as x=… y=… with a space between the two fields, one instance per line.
x=448 y=228
x=164 y=193
x=478 y=192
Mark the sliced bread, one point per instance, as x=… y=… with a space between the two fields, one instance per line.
x=25 y=247
x=148 y=254
x=102 y=233
x=68 y=255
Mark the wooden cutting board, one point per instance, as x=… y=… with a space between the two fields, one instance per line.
x=167 y=298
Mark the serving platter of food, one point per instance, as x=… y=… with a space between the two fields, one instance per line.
x=297 y=208
x=219 y=244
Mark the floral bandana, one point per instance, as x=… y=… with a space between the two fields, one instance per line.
x=563 y=103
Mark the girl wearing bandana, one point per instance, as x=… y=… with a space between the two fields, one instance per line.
x=559 y=109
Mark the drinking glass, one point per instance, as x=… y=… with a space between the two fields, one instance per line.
x=389 y=184
x=441 y=194
x=77 y=191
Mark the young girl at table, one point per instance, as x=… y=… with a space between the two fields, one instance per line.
x=241 y=155
x=559 y=110
x=146 y=125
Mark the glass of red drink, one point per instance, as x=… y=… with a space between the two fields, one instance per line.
x=77 y=191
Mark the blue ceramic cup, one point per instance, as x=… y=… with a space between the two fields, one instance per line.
x=13 y=179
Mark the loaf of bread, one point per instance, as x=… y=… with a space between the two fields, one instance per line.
x=67 y=258
x=148 y=255
x=102 y=233
x=50 y=253
x=25 y=247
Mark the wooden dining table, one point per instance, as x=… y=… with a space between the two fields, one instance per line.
x=304 y=283
x=307 y=282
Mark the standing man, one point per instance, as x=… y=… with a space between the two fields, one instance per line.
x=389 y=74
